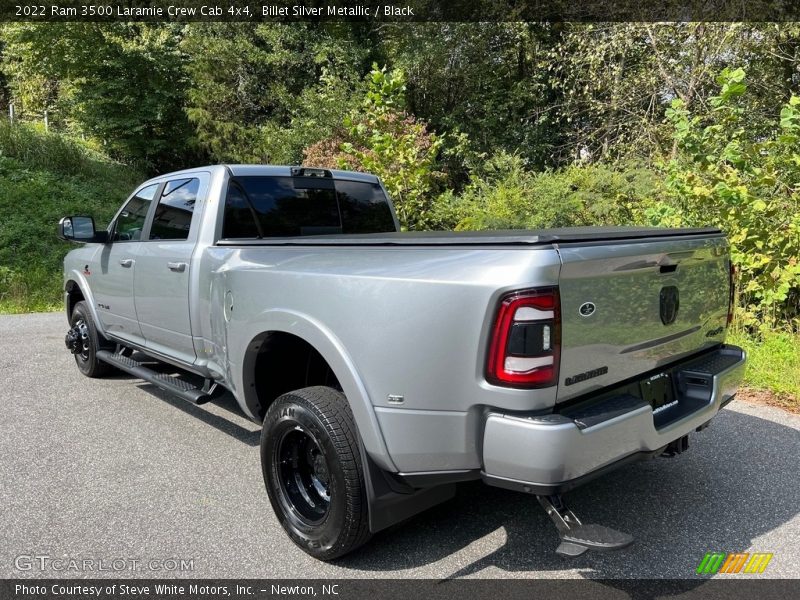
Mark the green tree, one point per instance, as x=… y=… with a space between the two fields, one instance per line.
x=261 y=94
x=381 y=138
x=488 y=81
x=4 y=92
x=729 y=173
x=119 y=83
x=617 y=79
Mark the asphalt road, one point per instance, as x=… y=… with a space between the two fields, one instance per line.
x=115 y=469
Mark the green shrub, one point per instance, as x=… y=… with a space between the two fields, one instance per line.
x=33 y=290
x=381 y=138
x=505 y=194
x=35 y=148
x=746 y=182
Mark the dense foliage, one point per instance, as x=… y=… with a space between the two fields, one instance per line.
x=469 y=125
x=120 y=84
x=380 y=137
x=748 y=183
x=505 y=194
x=42 y=178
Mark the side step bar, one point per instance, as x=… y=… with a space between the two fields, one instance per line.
x=173 y=385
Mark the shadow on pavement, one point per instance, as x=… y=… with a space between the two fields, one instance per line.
x=225 y=401
x=738 y=480
x=222 y=424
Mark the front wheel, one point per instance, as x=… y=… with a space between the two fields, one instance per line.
x=313 y=472
x=84 y=341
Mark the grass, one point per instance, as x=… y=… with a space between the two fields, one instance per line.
x=38 y=149
x=37 y=290
x=44 y=176
x=773 y=364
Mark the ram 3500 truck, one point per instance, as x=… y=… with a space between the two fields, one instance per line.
x=386 y=367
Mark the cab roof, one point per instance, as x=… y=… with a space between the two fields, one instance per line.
x=240 y=170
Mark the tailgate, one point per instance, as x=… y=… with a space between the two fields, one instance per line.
x=630 y=307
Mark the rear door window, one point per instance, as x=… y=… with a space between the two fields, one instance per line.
x=173 y=216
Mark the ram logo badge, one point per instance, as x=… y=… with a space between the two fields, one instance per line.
x=669 y=304
x=587 y=309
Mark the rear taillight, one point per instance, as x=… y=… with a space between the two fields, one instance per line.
x=526 y=340
x=732 y=292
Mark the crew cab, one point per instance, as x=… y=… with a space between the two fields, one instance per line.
x=388 y=366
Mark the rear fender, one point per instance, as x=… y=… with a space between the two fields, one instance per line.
x=324 y=341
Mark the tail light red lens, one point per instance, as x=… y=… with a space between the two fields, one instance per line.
x=526 y=340
x=732 y=293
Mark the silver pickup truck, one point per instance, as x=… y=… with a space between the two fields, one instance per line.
x=386 y=367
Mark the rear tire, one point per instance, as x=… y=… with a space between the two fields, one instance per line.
x=86 y=358
x=313 y=473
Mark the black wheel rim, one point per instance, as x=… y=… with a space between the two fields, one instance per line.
x=84 y=340
x=304 y=475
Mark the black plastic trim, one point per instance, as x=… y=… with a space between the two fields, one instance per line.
x=391 y=500
x=590 y=415
x=150 y=353
x=543 y=237
x=434 y=478
x=550 y=489
x=173 y=385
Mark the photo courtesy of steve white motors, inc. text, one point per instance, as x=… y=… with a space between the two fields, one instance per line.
x=171 y=589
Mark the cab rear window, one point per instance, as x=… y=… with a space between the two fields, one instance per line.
x=260 y=207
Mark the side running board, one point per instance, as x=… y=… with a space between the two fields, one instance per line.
x=173 y=385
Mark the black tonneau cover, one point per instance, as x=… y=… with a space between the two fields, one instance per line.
x=520 y=237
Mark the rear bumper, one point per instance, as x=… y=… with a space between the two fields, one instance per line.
x=548 y=454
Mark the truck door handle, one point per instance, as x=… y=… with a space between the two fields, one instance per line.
x=178 y=267
x=126 y=262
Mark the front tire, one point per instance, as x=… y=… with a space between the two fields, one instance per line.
x=89 y=340
x=313 y=473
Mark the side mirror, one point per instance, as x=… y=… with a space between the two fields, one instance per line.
x=80 y=230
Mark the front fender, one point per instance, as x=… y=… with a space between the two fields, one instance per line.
x=77 y=278
x=244 y=344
